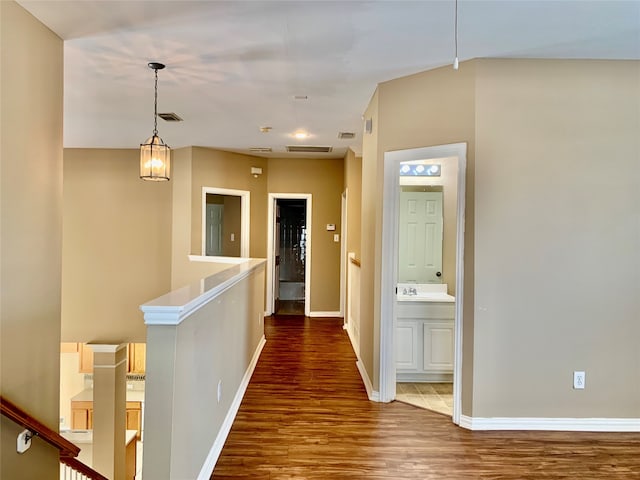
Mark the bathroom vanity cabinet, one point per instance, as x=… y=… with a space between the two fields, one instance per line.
x=424 y=341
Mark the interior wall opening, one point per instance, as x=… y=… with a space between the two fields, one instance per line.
x=291 y=245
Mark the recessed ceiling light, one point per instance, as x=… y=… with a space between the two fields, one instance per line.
x=300 y=97
x=301 y=135
x=265 y=129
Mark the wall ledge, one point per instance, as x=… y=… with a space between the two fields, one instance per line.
x=551 y=424
x=173 y=307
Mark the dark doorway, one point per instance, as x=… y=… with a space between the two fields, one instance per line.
x=290 y=262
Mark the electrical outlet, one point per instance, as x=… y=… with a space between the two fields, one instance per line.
x=578 y=380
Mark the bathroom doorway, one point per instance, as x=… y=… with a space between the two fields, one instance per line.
x=430 y=353
x=289 y=253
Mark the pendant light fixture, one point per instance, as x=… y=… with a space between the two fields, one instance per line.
x=155 y=155
x=455 y=29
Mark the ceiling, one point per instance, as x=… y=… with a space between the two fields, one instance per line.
x=236 y=66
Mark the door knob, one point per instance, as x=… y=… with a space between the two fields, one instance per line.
x=438 y=274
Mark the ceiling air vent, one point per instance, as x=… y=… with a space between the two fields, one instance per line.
x=308 y=149
x=261 y=149
x=346 y=135
x=170 y=117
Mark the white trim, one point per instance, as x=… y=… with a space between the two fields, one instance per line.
x=343 y=255
x=175 y=306
x=551 y=424
x=352 y=340
x=273 y=197
x=388 y=274
x=207 y=469
x=121 y=362
x=245 y=217
x=213 y=259
x=325 y=314
x=373 y=395
x=106 y=347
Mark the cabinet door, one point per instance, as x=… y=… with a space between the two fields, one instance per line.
x=80 y=419
x=137 y=354
x=134 y=417
x=438 y=347
x=407 y=345
x=86 y=358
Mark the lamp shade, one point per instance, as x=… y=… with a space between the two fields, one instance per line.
x=155 y=159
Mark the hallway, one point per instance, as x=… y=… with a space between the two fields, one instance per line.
x=306 y=415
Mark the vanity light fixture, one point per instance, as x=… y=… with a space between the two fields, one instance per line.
x=255 y=171
x=155 y=155
x=420 y=170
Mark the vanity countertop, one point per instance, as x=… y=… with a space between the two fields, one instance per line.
x=427 y=297
x=86 y=395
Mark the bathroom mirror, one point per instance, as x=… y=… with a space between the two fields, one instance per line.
x=427 y=221
x=225 y=230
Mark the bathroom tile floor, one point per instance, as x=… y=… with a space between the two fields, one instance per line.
x=432 y=396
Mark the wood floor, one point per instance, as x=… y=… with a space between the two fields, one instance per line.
x=306 y=415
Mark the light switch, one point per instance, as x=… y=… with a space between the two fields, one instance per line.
x=336 y=237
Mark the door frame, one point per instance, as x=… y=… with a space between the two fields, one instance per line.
x=272 y=199
x=389 y=264
x=245 y=218
x=343 y=255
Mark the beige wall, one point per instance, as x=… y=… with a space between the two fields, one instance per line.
x=426 y=109
x=370 y=259
x=557 y=235
x=215 y=168
x=554 y=180
x=323 y=179
x=116 y=245
x=353 y=185
x=31 y=66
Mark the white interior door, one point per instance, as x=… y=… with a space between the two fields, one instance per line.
x=215 y=213
x=420 y=237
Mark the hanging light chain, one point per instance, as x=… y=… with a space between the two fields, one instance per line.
x=155 y=105
x=455 y=29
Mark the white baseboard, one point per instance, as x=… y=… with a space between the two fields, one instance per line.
x=225 y=428
x=552 y=424
x=325 y=314
x=373 y=395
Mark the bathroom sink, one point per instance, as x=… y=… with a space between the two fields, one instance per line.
x=423 y=292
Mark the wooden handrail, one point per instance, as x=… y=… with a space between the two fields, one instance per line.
x=80 y=467
x=22 y=418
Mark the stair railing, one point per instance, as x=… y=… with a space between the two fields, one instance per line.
x=70 y=466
